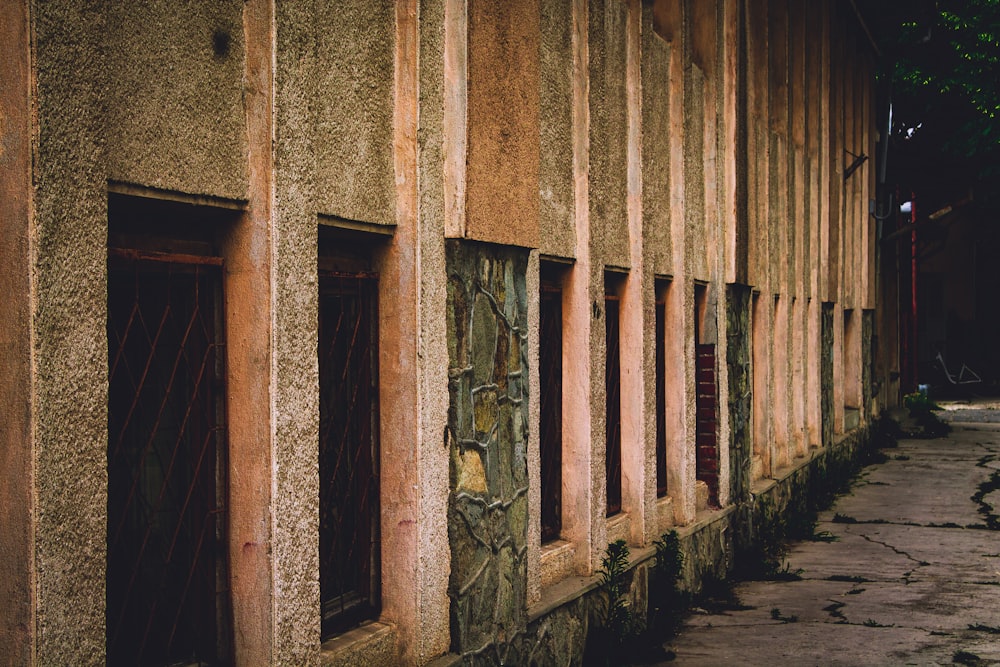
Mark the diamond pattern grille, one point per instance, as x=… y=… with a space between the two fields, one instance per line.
x=348 y=450
x=166 y=576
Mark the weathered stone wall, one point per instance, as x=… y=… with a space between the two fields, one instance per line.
x=487 y=437
x=738 y=358
x=867 y=362
x=826 y=372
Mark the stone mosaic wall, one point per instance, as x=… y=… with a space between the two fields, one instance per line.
x=826 y=372
x=867 y=363
x=487 y=438
x=740 y=399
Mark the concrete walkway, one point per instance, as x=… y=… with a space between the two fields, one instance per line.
x=913 y=577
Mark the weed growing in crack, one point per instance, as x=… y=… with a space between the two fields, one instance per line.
x=986 y=509
x=979 y=627
x=872 y=623
x=967 y=658
x=823 y=536
x=849 y=578
x=834 y=610
x=776 y=615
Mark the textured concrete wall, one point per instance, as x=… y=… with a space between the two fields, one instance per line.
x=298 y=187
x=608 y=167
x=502 y=195
x=349 y=95
x=556 y=213
x=175 y=115
x=17 y=613
x=657 y=141
x=69 y=389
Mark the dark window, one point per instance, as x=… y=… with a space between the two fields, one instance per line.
x=661 y=392
x=612 y=385
x=348 y=449
x=166 y=567
x=550 y=378
x=706 y=393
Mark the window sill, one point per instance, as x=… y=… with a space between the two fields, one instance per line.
x=619 y=528
x=557 y=562
x=373 y=643
x=664 y=514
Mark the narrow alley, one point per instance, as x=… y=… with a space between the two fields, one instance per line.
x=905 y=569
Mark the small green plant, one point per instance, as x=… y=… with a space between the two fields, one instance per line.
x=918 y=402
x=617 y=614
x=872 y=623
x=669 y=559
x=776 y=615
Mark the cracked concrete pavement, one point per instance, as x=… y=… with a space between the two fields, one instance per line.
x=911 y=578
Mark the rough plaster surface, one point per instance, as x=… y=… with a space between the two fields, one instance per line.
x=608 y=132
x=502 y=190
x=69 y=335
x=430 y=637
x=350 y=96
x=294 y=507
x=175 y=115
x=555 y=173
x=656 y=144
x=17 y=614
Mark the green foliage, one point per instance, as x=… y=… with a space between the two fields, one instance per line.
x=946 y=56
x=669 y=559
x=614 y=567
x=917 y=402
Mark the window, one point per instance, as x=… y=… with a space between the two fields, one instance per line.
x=612 y=385
x=348 y=447
x=661 y=388
x=706 y=393
x=167 y=457
x=550 y=400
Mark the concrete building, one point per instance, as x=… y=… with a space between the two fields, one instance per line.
x=353 y=333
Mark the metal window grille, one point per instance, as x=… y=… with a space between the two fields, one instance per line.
x=612 y=385
x=348 y=450
x=166 y=563
x=550 y=377
x=661 y=399
x=706 y=420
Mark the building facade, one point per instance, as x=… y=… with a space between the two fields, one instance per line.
x=353 y=334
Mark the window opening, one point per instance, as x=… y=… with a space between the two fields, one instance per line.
x=612 y=386
x=706 y=393
x=550 y=409
x=348 y=449
x=661 y=389
x=167 y=460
